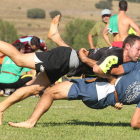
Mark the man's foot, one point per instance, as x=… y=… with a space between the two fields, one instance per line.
x=54 y=34
x=54 y=28
x=21 y=124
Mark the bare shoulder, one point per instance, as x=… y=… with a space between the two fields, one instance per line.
x=129 y=19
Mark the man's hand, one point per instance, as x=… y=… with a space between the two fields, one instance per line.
x=82 y=54
x=118 y=106
x=112 y=80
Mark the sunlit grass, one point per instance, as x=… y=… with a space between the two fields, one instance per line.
x=69 y=120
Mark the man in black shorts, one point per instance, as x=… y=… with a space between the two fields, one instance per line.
x=57 y=62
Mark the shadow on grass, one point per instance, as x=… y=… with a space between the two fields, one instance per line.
x=76 y=122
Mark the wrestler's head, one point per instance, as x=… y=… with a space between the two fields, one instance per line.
x=131 y=46
x=106 y=13
x=35 y=43
x=19 y=46
x=123 y=5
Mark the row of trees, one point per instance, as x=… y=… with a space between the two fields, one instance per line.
x=75 y=33
x=136 y=1
x=108 y=3
x=39 y=13
x=104 y=4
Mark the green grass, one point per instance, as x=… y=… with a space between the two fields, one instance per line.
x=69 y=120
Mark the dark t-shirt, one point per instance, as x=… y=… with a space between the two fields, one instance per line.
x=107 y=57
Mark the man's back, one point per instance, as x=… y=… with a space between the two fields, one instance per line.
x=119 y=25
x=124 y=23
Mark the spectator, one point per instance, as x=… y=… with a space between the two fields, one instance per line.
x=32 y=44
x=119 y=25
x=98 y=29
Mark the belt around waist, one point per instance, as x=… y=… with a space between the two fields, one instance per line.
x=9 y=72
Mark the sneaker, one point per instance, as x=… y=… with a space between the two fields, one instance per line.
x=8 y=91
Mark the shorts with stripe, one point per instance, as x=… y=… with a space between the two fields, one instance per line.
x=54 y=62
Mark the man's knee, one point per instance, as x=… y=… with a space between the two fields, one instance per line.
x=134 y=124
x=36 y=89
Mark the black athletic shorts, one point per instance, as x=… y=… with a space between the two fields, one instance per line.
x=21 y=82
x=54 y=62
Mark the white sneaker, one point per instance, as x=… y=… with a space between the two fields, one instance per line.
x=8 y=91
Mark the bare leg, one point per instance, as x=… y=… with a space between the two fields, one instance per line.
x=54 y=34
x=22 y=60
x=57 y=92
x=39 y=84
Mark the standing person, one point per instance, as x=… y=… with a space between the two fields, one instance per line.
x=119 y=25
x=32 y=44
x=97 y=30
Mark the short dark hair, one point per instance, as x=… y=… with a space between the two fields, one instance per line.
x=19 y=45
x=131 y=39
x=35 y=41
x=123 y=5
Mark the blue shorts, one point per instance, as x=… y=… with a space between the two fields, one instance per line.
x=82 y=90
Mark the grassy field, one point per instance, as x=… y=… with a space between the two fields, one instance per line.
x=15 y=11
x=66 y=120
x=69 y=120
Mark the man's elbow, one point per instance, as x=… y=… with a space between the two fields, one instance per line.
x=96 y=69
x=89 y=36
x=135 y=125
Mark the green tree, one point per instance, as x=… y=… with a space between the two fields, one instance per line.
x=35 y=13
x=104 y=4
x=55 y=13
x=76 y=33
x=8 y=32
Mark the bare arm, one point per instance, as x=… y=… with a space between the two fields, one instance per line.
x=84 y=58
x=97 y=70
x=117 y=71
x=1 y=54
x=105 y=35
x=90 y=40
x=135 y=27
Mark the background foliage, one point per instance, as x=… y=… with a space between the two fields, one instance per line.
x=76 y=34
x=8 y=32
x=137 y=1
x=104 y=4
x=35 y=13
x=55 y=13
